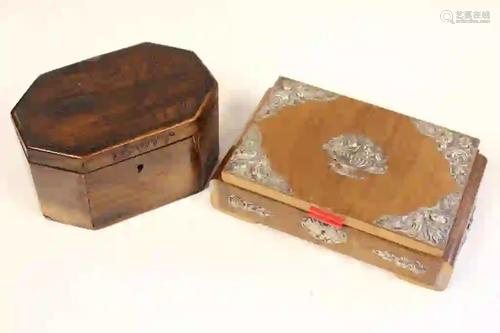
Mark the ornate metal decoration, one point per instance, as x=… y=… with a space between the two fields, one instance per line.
x=324 y=232
x=287 y=92
x=248 y=161
x=460 y=150
x=352 y=153
x=414 y=266
x=239 y=203
x=431 y=225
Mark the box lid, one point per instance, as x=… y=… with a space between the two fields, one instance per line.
x=107 y=109
x=338 y=158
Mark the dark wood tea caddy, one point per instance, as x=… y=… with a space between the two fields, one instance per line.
x=119 y=134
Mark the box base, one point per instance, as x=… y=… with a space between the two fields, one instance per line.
x=417 y=268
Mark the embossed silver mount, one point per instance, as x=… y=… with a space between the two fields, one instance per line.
x=249 y=161
x=323 y=232
x=432 y=225
x=352 y=154
x=428 y=224
x=287 y=92
x=458 y=149
x=414 y=266
x=238 y=203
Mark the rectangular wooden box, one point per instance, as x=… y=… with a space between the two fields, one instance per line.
x=120 y=134
x=393 y=191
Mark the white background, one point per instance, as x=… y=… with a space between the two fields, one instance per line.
x=186 y=267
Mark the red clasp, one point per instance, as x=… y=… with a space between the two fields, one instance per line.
x=326 y=217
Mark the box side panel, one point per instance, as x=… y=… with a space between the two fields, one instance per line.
x=138 y=146
x=113 y=155
x=206 y=141
x=465 y=211
x=59 y=161
x=62 y=195
x=408 y=264
x=142 y=183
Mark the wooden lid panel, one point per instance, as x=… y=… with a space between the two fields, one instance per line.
x=416 y=173
x=89 y=107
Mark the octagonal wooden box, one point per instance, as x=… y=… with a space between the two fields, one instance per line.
x=390 y=190
x=119 y=134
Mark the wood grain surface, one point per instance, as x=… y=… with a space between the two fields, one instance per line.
x=418 y=175
x=137 y=185
x=461 y=225
x=62 y=195
x=120 y=134
x=359 y=245
x=138 y=96
x=142 y=183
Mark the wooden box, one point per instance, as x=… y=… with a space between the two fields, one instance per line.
x=119 y=134
x=379 y=186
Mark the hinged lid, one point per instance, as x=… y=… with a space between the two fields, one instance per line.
x=110 y=108
x=375 y=170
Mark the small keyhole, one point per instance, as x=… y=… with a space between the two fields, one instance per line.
x=140 y=167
